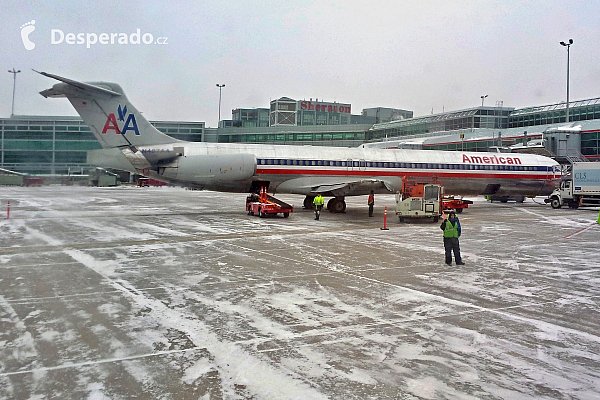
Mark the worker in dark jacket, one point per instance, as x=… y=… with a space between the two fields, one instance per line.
x=452 y=232
x=371 y=203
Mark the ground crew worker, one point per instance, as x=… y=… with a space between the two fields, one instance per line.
x=452 y=232
x=318 y=204
x=371 y=203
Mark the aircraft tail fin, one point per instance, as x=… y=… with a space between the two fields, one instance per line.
x=103 y=106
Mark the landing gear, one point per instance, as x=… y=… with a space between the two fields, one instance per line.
x=308 y=202
x=330 y=204
x=336 y=205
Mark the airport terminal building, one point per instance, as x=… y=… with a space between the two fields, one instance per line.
x=484 y=128
x=58 y=145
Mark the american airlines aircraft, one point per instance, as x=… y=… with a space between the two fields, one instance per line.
x=131 y=143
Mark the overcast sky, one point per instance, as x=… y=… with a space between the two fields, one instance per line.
x=414 y=55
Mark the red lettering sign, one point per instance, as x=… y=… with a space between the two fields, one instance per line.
x=309 y=105
x=490 y=160
x=111 y=124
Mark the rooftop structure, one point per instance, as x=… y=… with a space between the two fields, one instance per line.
x=385 y=114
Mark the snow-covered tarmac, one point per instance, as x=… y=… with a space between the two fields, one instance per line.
x=167 y=293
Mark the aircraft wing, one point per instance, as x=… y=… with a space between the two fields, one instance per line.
x=359 y=187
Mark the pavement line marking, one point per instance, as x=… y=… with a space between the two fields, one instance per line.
x=164 y=240
x=36 y=265
x=101 y=216
x=584 y=271
x=533 y=213
x=479 y=309
x=577 y=232
x=28 y=300
x=307 y=334
x=96 y=362
x=550 y=218
x=74 y=296
x=449 y=300
x=198 y=332
x=474 y=309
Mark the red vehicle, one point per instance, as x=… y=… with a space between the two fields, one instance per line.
x=450 y=203
x=142 y=181
x=265 y=204
x=29 y=181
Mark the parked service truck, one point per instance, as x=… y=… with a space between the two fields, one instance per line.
x=419 y=200
x=579 y=188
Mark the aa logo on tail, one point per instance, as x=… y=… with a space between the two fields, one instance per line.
x=130 y=123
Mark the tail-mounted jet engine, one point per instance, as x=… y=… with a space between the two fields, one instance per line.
x=209 y=169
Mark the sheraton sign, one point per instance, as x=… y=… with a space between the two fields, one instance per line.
x=491 y=160
x=325 y=107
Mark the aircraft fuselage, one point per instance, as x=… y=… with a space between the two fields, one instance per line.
x=303 y=169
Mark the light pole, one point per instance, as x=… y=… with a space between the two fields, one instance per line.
x=220 y=86
x=568 y=45
x=14 y=72
x=483 y=98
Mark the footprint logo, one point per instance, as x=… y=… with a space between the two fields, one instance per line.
x=26 y=29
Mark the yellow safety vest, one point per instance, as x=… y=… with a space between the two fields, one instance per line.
x=450 y=230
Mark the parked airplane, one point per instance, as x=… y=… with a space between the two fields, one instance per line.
x=131 y=143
